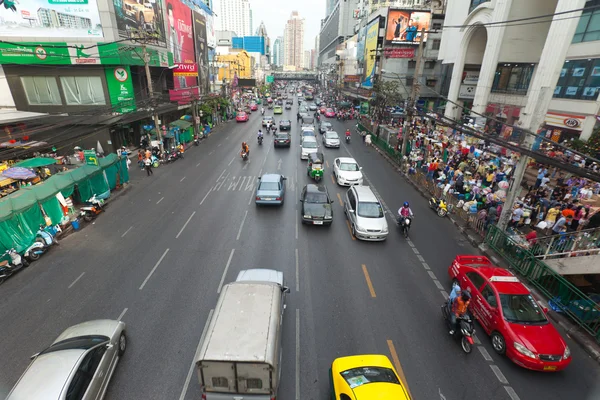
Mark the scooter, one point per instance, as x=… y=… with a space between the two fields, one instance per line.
x=45 y=238
x=7 y=268
x=91 y=209
x=260 y=140
x=464 y=329
x=244 y=156
x=196 y=141
x=404 y=224
x=348 y=138
x=439 y=206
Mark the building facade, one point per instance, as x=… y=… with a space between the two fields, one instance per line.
x=277 y=52
x=252 y=44
x=338 y=26
x=233 y=15
x=293 y=38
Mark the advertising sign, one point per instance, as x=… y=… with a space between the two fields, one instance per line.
x=135 y=18
x=360 y=44
x=202 y=52
x=270 y=79
x=119 y=54
x=351 y=78
x=185 y=70
x=50 y=19
x=370 y=46
x=568 y=121
x=120 y=89
x=391 y=52
x=185 y=95
x=180 y=39
x=404 y=27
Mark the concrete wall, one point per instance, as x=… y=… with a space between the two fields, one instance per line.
x=476 y=47
x=575 y=265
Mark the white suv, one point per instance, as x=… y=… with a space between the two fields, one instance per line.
x=365 y=213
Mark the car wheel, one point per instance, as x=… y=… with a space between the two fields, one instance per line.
x=122 y=343
x=498 y=343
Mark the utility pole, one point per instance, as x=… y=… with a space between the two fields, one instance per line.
x=414 y=96
x=151 y=94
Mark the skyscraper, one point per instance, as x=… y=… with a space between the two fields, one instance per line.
x=329 y=6
x=307 y=64
x=278 y=51
x=233 y=15
x=293 y=38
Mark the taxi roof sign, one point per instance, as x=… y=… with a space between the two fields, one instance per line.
x=504 y=279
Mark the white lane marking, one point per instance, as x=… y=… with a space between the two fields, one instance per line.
x=445 y=294
x=127 y=231
x=426 y=266
x=260 y=172
x=438 y=284
x=296 y=227
x=181 y=180
x=250 y=199
x=420 y=257
x=499 y=374
x=511 y=392
x=154 y=269
x=485 y=353
x=225 y=271
x=191 y=371
x=297 y=354
x=197 y=165
x=184 y=225
x=161 y=199
x=219 y=145
x=242 y=225
x=297 y=273
x=75 y=281
x=410 y=243
x=230 y=162
x=415 y=250
x=205 y=196
x=212 y=151
x=223 y=171
x=432 y=275
x=122 y=314
x=442 y=397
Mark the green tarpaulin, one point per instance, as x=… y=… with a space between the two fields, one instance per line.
x=36 y=162
x=181 y=124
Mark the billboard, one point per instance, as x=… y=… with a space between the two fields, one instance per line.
x=50 y=19
x=180 y=40
x=404 y=26
x=360 y=44
x=134 y=18
x=201 y=51
x=370 y=47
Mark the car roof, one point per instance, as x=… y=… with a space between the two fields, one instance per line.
x=309 y=139
x=347 y=160
x=503 y=280
x=366 y=360
x=365 y=193
x=270 y=178
x=314 y=188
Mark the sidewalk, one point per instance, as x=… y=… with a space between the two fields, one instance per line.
x=581 y=337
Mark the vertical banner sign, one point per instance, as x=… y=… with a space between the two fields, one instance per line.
x=202 y=52
x=120 y=89
x=370 y=47
x=135 y=18
x=180 y=39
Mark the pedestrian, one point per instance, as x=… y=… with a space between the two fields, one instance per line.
x=148 y=165
x=517 y=214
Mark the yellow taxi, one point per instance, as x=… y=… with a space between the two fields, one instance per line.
x=365 y=377
x=277 y=110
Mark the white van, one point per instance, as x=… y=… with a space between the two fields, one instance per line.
x=240 y=355
x=309 y=145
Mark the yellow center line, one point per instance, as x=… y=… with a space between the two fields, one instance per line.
x=350 y=230
x=341 y=202
x=327 y=163
x=399 y=369
x=332 y=180
x=368 y=279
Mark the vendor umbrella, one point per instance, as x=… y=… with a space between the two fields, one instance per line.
x=36 y=162
x=18 y=173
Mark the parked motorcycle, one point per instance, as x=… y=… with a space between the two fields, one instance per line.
x=45 y=238
x=404 y=224
x=91 y=209
x=439 y=206
x=7 y=268
x=260 y=140
x=196 y=141
x=464 y=330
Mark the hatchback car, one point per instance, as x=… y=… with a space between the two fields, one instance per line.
x=331 y=139
x=242 y=117
x=278 y=110
x=267 y=119
x=325 y=126
x=285 y=125
x=270 y=190
x=308 y=145
x=316 y=205
x=78 y=365
x=253 y=106
x=282 y=139
x=504 y=307
x=365 y=213
x=347 y=172
x=329 y=113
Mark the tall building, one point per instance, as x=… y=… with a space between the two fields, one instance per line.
x=233 y=15
x=337 y=26
x=261 y=31
x=329 y=6
x=306 y=63
x=293 y=38
x=278 y=51
x=317 y=42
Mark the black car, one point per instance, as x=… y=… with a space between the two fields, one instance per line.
x=325 y=126
x=282 y=139
x=285 y=125
x=289 y=101
x=316 y=205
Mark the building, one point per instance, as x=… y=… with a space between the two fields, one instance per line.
x=338 y=25
x=252 y=44
x=277 y=52
x=306 y=62
x=262 y=32
x=54 y=19
x=233 y=15
x=329 y=5
x=235 y=63
x=547 y=83
x=293 y=38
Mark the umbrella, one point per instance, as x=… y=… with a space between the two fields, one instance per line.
x=19 y=173
x=36 y=162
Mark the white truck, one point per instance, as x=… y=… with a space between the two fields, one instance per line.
x=240 y=355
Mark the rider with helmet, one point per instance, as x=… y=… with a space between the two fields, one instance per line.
x=348 y=133
x=245 y=148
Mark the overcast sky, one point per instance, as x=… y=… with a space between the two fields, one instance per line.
x=276 y=13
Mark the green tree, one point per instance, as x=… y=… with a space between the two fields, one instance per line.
x=592 y=146
x=387 y=93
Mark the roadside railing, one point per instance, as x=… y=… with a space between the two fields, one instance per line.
x=568 y=244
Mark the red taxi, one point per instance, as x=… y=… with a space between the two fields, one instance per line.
x=507 y=311
x=242 y=117
x=323 y=110
x=329 y=113
x=253 y=106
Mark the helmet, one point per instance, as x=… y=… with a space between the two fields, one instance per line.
x=243 y=143
x=406 y=204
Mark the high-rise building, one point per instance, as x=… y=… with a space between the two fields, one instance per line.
x=233 y=15
x=329 y=6
x=306 y=62
x=261 y=31
x=277 y=52
x=293 y=38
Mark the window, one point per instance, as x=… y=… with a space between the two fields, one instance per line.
x=588 y=28
x=513 y=78
x=476 y=3
x=579 y=79
x=522 y=309
x=435 y=44
x=85 y=373
x=431 y=82
x=83 y=90
x=436 y=25
x=476 y=279
x=41 y=90
x=253 y=383
x=489 y=296
x=219 y=381
x=429 y=64
x=412 y=64
x=409 y=81
x=370 y=210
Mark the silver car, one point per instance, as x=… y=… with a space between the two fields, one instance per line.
x=331 y=139
x=365 y=214
x=270 y=190
x=78 y=365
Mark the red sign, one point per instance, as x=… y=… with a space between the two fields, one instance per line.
x=399 y=53
x=351 y=78
x=180 y=39
x=186 y=70
x=184 y=96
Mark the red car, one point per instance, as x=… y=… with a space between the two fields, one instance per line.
x=242 y=117
x=506 y=311
x=329 y=113
x=323 y=110
x=253 y=107
x=269 y=100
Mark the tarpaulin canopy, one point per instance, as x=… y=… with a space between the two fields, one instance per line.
x=107 y=161
x=36 y=162
x=16 y=202
x=181 y=124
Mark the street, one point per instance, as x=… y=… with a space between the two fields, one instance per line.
x=160 y=254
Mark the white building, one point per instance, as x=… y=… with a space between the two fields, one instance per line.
x=293 y=38
x=307 y=60
x=337 y=26
x=533 y=75
x=277 y=52
x=233 y=15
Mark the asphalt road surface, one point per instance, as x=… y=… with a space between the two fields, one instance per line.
x=159 y=255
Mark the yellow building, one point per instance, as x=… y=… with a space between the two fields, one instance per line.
x=238 y=62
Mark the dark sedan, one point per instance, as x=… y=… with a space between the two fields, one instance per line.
x=325 y=126
x=282 y=139
x=316 y=205
x=285 y=125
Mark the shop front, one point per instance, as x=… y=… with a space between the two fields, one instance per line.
x=560 y=127
x=501 y=117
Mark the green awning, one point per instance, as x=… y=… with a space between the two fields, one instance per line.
x=107 y=161
x=181 y=124
x=36 y=162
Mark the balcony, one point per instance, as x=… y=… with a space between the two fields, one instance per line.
x=476 y=3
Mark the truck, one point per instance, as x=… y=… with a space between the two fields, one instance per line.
x=240 y=353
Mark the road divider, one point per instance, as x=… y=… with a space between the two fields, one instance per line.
x=186 y=224
x=225 y=271
x=340 y=200
x=398 y=366
x=368 y=279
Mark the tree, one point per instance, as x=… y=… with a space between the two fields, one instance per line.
x=387 y=93
x=592 y=146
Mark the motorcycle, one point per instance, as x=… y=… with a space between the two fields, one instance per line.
x=45 y=238
x=244 y=156
x=262 y=112
x=464 y=329
x=260 y=140
x=91 y=208
x=404 y=224
x=196 y=141
x=347 y=138
x=7 y=268
x=439 y=206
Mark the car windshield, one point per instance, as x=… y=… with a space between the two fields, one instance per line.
x=284 y=122
x=79 y=342
x=308 y=133
x=521 y=308
x=332 y=135
x=370 y=210
x=309 y=144
x=316 y=198
x=269 y=186
x=329 y=110
x=326 y=125
x=349 y=167
x=364 y=375
x=268 y=118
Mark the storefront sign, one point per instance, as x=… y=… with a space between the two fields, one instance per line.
x=120 y=89
x=470 y=77
x=186 y=70
x=351 y=78
x=567 y=121
x=399 y=53
x=467 y=92
x=184 y=96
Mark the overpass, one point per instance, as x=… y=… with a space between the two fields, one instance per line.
x=295 y=75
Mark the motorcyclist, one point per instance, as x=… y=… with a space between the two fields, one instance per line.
x=259 y=134
x=245 y=148
x=262 y=110
x=405 y=211
x=348 y=133
x=459 y=309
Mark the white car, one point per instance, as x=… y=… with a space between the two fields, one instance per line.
x=331 y=139
x=267 y=119
x=309 y=145
x=347 y=172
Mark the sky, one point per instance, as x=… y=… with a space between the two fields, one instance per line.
x=275 y=15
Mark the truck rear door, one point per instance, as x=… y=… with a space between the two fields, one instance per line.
x=254 y=378
x=219 y=376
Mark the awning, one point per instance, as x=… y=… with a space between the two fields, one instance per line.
x=6 y=181
x=181 y=124
x=36 y=162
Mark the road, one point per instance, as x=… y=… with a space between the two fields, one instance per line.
x=160 y=254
